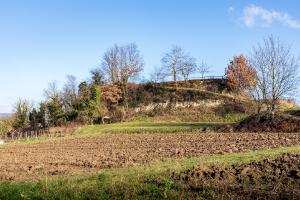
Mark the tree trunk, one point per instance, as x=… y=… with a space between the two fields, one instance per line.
x=175 y=75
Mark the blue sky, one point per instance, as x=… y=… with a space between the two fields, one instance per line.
x=43 y=41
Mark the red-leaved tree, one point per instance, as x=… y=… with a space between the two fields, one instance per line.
x=241 y=76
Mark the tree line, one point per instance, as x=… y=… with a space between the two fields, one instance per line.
x=268 y=74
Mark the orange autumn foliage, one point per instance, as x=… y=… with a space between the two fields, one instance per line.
x=241 y=76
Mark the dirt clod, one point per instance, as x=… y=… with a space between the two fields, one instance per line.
x=277 y=178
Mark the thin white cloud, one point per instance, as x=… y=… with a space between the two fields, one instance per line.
x=254 y=15
x=230 y=9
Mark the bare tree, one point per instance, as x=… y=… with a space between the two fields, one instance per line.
x=130 y=62
x=52 y=91
x=122 y=63
x=70 y=92
x=130 y=65
x=110 y=64
x=277 y=72
x=70 y=86
x=178 y=62
x=203 y=69
x=188 y=67
x=158 y=75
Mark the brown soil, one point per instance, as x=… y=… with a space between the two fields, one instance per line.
x=267 y=179
x=294 y=113
x=90 y=154
x=280 y=122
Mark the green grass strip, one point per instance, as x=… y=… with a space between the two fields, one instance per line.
x=123 y=128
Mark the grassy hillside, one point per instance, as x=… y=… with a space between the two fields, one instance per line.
x=162 y=102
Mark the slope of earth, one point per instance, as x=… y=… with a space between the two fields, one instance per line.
x=264 y=122
x=160 y=102
x=208 y=100
x=277 y=178
x=92 y=153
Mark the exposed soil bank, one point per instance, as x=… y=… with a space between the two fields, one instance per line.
x=263 y=122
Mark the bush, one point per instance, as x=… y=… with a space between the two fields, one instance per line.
x=6 y=125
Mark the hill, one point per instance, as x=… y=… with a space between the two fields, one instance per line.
x=163 y=159
x=193 y=100
x=5 y=115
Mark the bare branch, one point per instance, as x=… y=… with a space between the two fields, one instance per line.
x=203 y=68
x=277 y=71
x=178 y=63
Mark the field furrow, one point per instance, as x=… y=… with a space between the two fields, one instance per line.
x=93 y=153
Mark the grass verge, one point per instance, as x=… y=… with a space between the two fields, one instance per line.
x=144 y=127
x=123 y=128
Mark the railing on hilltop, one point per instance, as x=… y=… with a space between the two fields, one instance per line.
x=209 y=78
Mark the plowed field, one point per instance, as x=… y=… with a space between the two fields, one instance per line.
x=90 y=154
x=277 y=178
